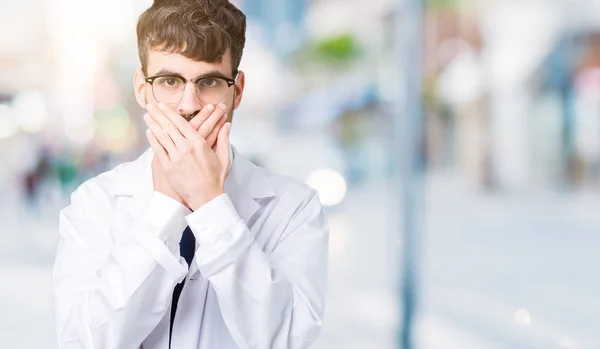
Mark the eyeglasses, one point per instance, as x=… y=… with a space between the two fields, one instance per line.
x=169 y=89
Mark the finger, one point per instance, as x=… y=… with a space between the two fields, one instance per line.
x=182 y=125
x=163 y=138
x=158 y=150
x=167 y=125
x=202 y=116
x=212 y=137
x=223 y=145
x=219 y=113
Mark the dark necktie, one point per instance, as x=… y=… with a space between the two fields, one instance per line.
x=187 y=247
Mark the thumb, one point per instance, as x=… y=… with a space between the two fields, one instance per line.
x=223 y=144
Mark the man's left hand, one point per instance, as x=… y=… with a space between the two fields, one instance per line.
x=195 y=171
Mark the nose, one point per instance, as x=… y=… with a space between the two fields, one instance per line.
x=190 y=104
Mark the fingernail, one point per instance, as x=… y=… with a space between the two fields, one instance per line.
x=149 y=106
x=210 y=107
x=222 y=106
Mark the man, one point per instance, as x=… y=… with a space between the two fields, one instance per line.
x=190 y=246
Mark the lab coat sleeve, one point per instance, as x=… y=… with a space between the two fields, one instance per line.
x=111 y=289
x=268 y=300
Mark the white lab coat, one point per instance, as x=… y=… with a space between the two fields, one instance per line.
x=257 y=280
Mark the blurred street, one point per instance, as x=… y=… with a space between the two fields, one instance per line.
x=502 y=99
x=486 y=258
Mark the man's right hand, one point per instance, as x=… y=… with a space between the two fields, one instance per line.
x=208 y=123
x=161 y=183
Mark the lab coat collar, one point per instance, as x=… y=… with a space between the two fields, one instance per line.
x=247 y=185
x=244 y=179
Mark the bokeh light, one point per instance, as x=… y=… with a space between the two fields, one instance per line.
x=31 y=111
x=522 y=317
x=8 y=123
x=80 y=134
x=330 y=185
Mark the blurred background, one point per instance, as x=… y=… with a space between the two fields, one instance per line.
x=503 y=182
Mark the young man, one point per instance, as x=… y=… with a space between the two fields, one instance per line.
x=190 y=246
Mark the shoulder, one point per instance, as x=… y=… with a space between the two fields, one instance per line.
x=294 y=206
x=125 y=178
x=264 y=183
x=290 y=188
x=261 y=183
x=291 y=195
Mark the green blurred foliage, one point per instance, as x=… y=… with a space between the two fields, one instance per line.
x=335 y=52
x=342 y=47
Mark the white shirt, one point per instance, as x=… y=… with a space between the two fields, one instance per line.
x=257 y=280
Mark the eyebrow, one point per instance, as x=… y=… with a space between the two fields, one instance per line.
x=212 y=73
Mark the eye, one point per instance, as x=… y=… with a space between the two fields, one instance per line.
x=209 y=82
x=170 y=82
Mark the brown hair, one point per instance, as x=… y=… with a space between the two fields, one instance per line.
x=201 y=30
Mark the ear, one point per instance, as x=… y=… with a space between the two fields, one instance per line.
x=240 y=82
x=139 y=87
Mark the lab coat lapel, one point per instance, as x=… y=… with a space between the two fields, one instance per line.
x=246 y=185
x=133 y=184
x=238 y=188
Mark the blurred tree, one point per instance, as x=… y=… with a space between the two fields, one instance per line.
x=333 y=55
x=342 y=47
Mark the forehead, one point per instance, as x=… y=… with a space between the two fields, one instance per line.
x=175 y=62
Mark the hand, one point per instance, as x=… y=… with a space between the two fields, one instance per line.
x=194 y=170
x=207 y=123
x=162 y=184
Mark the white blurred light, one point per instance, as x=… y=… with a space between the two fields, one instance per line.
x=520 y=35
x=80 y=134
x=71 y=25
x=567 y=343
x=462 y=81
x=8 y=124
x=120 y=14
x=330 y=185
x=30 y=111
x=522 y=317
x=339 y=230
x=27 y=41
x=80 y=60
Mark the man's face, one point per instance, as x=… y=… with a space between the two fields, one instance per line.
x=163 y=63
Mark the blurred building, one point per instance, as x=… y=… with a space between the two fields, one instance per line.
x=281 y=21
